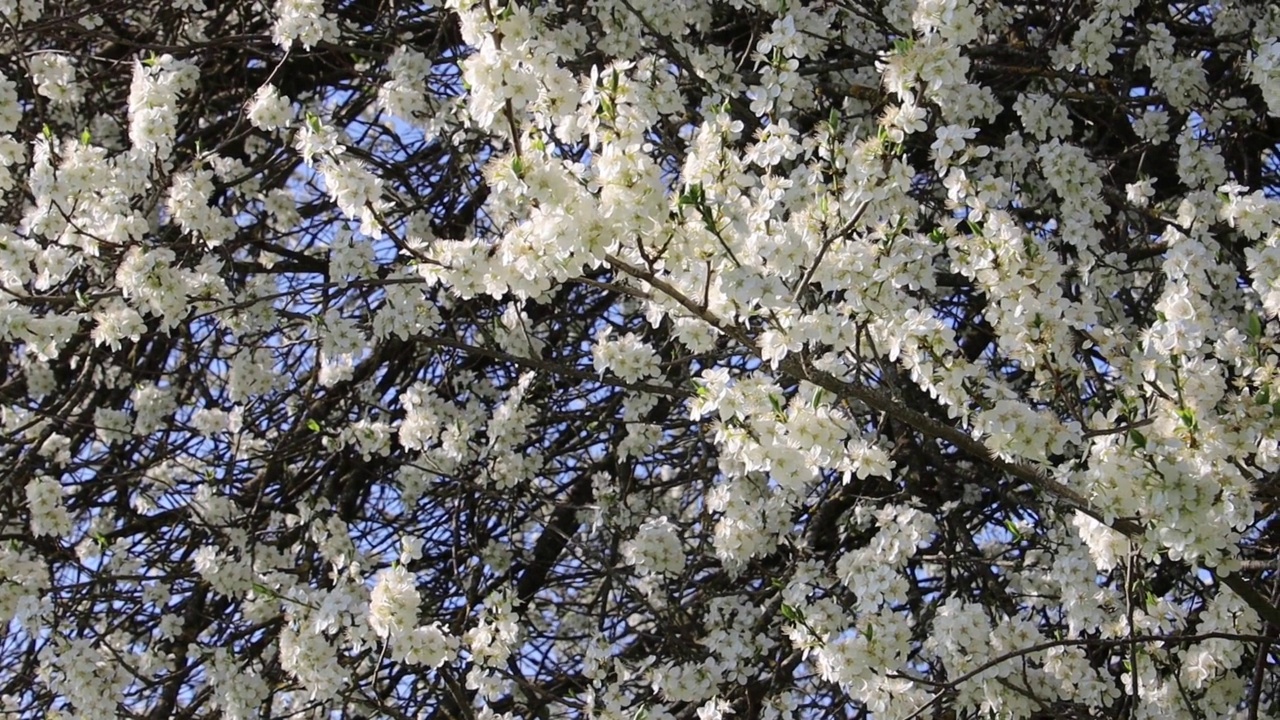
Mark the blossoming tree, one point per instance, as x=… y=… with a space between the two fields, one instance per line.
x=639 y=359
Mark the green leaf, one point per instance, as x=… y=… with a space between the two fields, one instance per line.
x=776 y=403
x=1012 y=527
x=1188 y=418
x=1138 y=439
x=264 y=591
x=313 y=425
x=709 y=220
x=791 y=614
x=85 y=136
x=1254 y=327
x=47 y=132
x=692 y=195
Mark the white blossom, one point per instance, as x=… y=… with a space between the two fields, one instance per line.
x=393 y=604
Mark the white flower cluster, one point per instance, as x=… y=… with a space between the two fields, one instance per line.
x=226 y=574
x=492 y=640
x=188 y=204
x=149 y=279
x=86 y=674
x=242 y=690
x=152 y=406
x=1183 y=78
x=1013 y=429
x=1264 y=70
x=356 y=191
x=49 y=515
x=407 y=313
x=402 y=95
x=684 y=682
x=250 y=375
x=445 y=434
x=1108 y=547
x=393 y=604
x=55 y=78
x=1094 y=41
x=302 y=21
x=873 y=572
x=211 y=421
x=157 y=87
x=369 y=437
x=1207 y=661
x=350 y=257
x=428 y=645
x=656 y=548
x=956 y=21
x=1043 y=116
x=115 y=320
x=308 y=655
x=269 y=110
x=10 y=110
x=628 y=357
x=507 y=67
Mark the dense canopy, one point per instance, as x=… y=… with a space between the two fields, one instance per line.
x=639 y=359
